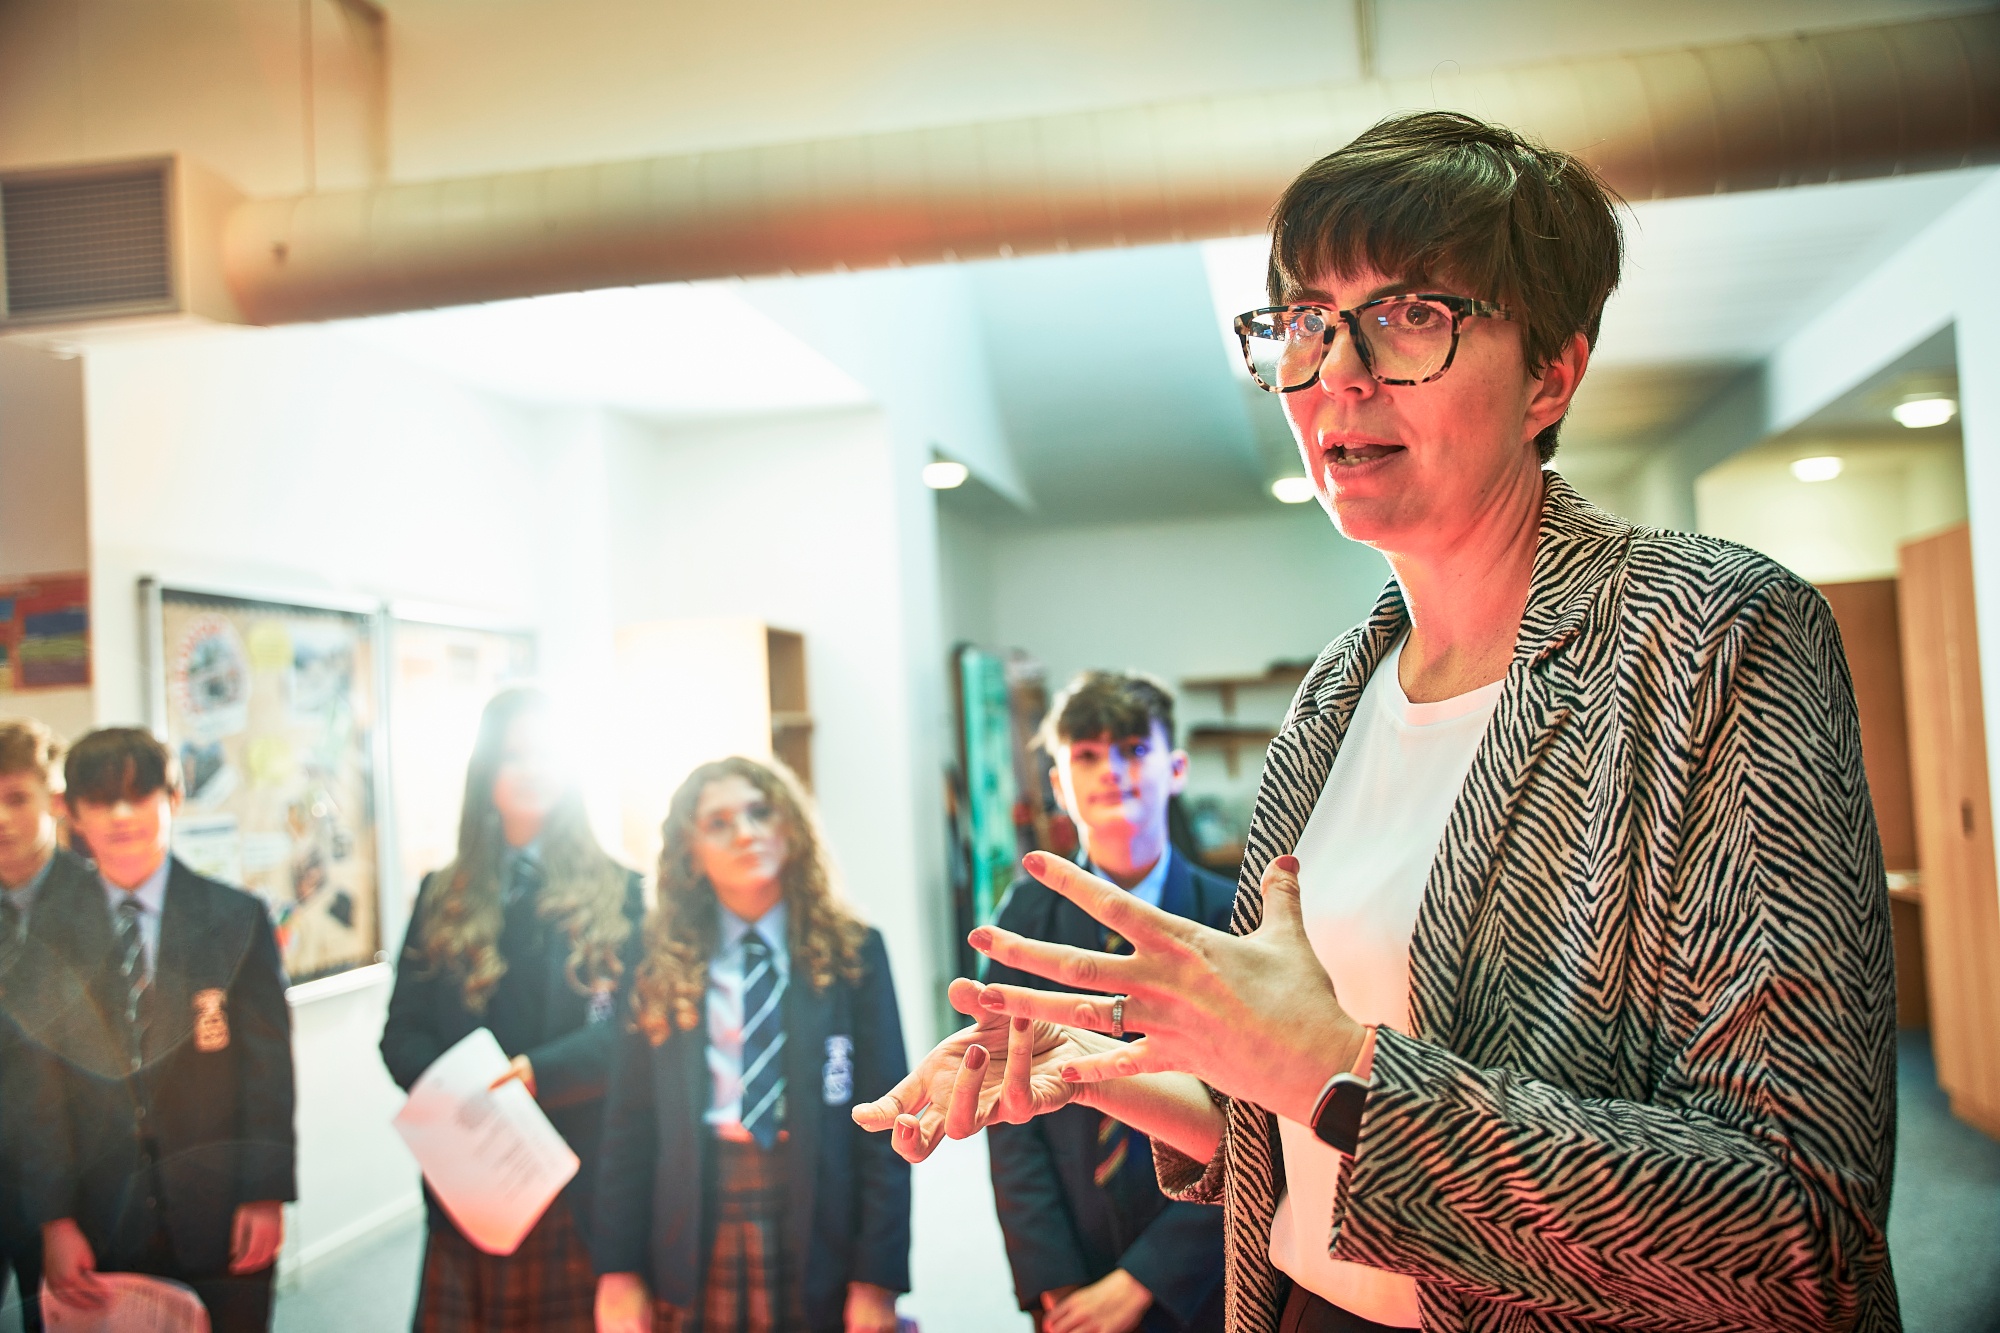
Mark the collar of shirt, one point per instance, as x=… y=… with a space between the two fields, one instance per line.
x=770 y=928
x=151 y=895
x=1150 y=889
x=23 y=895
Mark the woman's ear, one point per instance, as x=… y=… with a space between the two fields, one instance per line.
x=1555 y=387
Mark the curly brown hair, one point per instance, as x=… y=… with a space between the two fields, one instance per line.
x=583 y=892
x=682 y=930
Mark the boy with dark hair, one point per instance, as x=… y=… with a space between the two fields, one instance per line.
x=1095 y=1247
x=158 y=1095
x=30 y=857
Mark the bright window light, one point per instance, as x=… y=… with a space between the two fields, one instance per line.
x=1918 y=413
x=945 y=475
x=1823 y=468
x=1293 y=490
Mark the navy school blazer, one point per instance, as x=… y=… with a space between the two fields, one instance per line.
x=847 y=1215
x=541 y=1016
x=1061 y=1229
x=215 y=1094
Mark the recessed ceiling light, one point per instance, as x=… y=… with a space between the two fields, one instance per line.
x=945 y=475
x=1824 y=468
x=1917 y=413
x=1293 y=490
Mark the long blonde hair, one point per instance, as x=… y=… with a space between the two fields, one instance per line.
x=682 y=930
x=583 y=893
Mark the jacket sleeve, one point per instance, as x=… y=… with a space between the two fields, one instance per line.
x=1178 y=1257
x=1042 y=1245
x=576 y=1067
x=881 y=1178
x=1753 y=1185
x=409 y=1042
x=622 y=1235
x=33 y=1088
x=267 y=1157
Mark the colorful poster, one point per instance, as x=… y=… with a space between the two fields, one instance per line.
x=45 y=633
x=272 y=709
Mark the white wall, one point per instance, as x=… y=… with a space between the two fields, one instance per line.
x=298 y=461
x=1890 y=490
x=44 y=509
x=1179 y=599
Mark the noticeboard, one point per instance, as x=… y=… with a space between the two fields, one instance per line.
x=273 y=708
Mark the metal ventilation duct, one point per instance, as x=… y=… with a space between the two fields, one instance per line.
x=1788 y=111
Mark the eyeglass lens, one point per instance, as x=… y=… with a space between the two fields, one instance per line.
x=721 y=826
x=1403 y=340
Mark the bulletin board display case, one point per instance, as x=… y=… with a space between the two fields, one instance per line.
x=274 y=707
x=444 y=667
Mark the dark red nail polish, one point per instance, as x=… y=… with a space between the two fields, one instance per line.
x=1288 y=864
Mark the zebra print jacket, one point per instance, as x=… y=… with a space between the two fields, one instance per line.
x=1650 y=1081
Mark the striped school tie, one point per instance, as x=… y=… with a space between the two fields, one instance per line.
x=129 y=953
x=763 y=1042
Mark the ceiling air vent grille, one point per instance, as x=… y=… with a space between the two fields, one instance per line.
x=91 y=243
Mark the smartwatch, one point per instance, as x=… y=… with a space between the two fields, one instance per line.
x=1337 y=1116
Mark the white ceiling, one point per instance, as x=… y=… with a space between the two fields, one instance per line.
x=1168 y=424
x=670 y=352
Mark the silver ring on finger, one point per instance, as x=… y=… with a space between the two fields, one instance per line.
x=1118 y=1016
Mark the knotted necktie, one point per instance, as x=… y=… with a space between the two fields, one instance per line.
x=1113 y=1138
x=523 y=878
x=129 y=953
x=763 y=1040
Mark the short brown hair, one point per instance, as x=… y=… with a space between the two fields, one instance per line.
x=26 y=746
x=1107 y=705
x=115 y=764
x=1435 y=196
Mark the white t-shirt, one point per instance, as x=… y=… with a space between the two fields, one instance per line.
x=1364 y=858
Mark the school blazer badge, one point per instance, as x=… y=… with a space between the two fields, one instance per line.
x=211 y=1022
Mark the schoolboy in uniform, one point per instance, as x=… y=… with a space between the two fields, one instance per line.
x=1095 y=1247
x=30 y=856
x=158 y=1098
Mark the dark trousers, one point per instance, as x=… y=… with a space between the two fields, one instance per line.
x=24 y=1256
x=234 y=1304
x=1307 y=1313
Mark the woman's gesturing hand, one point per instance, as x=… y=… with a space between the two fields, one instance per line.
x=999 y=1071
x=1253 y=1016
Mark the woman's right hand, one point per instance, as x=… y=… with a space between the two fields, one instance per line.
x=999 y=1071
x=623 y=1304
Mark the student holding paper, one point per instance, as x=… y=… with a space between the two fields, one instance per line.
x=532 y=933
x=738 y=1195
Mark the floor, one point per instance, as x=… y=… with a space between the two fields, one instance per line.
x=1944 y=1236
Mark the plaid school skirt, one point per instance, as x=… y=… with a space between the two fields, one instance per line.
x=743 y=1291
x=547 y=1284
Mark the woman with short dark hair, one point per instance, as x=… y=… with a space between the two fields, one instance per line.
x=1560 y=992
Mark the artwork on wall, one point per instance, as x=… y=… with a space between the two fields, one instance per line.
x=45 y=633
x=273 y=708
x=441 y=675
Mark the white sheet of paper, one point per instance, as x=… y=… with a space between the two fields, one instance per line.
x=492 y=1158
x=137 y=1305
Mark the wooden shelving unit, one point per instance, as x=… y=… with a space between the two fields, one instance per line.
x=791 y=712
x=1229 y=736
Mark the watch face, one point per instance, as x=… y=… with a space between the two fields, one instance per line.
x=1337 y=1121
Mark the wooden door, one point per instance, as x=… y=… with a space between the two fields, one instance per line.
x=1961 y=902
x=1866 y=612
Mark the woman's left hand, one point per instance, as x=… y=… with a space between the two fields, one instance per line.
x=870 y=1309
x=1253 y=1016
x=517 y=1068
